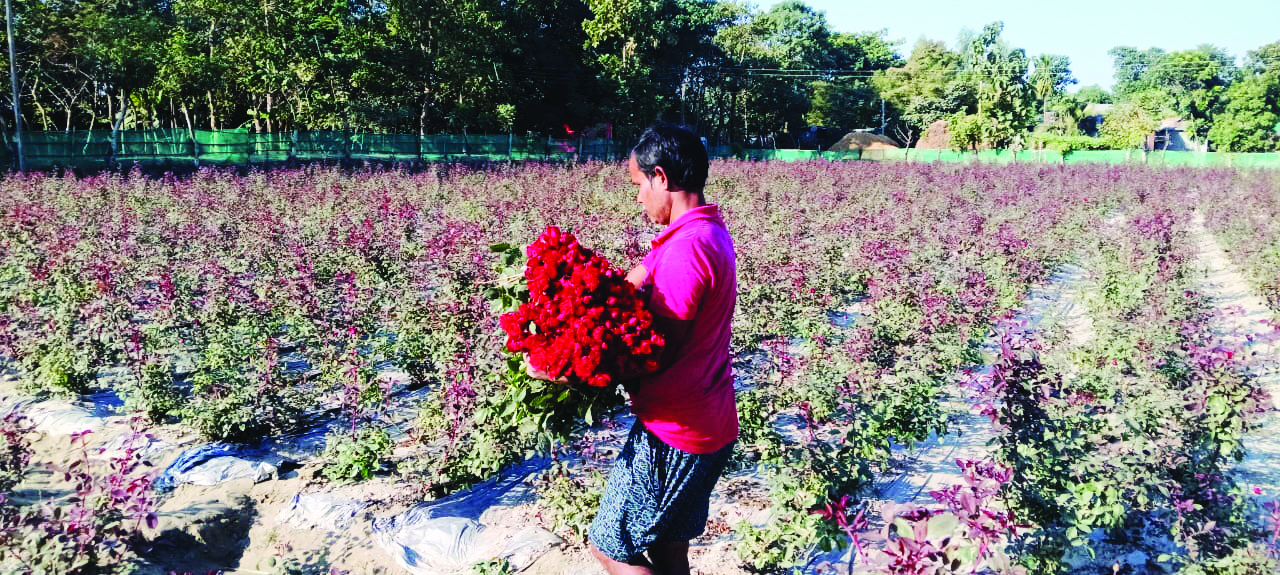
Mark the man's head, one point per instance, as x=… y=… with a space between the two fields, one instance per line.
x=668 y=160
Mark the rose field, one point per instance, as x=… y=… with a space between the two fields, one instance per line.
x=939 y=369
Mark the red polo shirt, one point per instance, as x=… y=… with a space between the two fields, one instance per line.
x=693 y=275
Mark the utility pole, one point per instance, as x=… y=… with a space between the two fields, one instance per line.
x=13 y=77
x=683 y=122
x=883 y=123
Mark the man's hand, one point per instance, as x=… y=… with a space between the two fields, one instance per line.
x=539 y=374
x=637 y=275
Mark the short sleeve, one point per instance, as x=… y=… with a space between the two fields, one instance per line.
x=680 y=279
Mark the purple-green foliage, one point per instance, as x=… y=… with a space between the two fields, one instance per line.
x=1244 y=212
x=97 y=530
x=225 y=272
x=1138 y=437
x=966 y=531
x=15 y=431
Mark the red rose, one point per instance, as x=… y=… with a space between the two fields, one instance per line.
x=583 y=321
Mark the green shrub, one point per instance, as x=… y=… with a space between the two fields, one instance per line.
x=152 y=393
x=572 y=500
x=1068 y=144
x=355 y=457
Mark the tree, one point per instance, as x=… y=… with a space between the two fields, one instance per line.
x=187 y=72
x=850 y=101
x=967 y=131
x=1197 y=80
x=1093 y=95
x=1135 y=118
x=1066 y=114
x=1248 y=122
x=1131 y=67
x=623 y=39
x=925 y=89
x=1052 y=75
x=551 y=82
x=122 y=38
x=649 y=52
x=999 y=74
x=1251 y=115
x=1265 y=60
x=782 y=51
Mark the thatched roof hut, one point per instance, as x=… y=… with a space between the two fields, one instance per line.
x=855 y=141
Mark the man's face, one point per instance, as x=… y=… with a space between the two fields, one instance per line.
x=653 y=193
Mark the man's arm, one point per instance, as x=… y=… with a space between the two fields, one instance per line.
x=675 y=335
x=675 y=332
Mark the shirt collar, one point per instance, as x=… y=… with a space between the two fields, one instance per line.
x=704 y=212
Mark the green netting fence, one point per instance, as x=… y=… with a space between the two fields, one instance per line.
x=1000 y=157
x=181 y=148
x=94 y=150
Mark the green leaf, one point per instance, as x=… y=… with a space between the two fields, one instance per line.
x=942 y=526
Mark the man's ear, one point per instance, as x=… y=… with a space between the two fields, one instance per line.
x=660 y=180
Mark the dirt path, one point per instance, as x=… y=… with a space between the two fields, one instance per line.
x=1244 y=324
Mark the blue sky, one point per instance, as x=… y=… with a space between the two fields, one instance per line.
x=1082 y=30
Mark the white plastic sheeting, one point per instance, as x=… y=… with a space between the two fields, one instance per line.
x=56 y=418
x=426 y=545
x=222 y=469
x=446 y=536
x=320 y=511
x=214 y=464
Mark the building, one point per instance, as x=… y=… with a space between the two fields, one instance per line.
x=1174 y=135
x=1093 y=116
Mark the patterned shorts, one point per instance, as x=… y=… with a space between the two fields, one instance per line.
x=656 y=493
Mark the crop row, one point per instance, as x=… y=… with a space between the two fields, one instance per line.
x=1122 y=445
x=1244 y=213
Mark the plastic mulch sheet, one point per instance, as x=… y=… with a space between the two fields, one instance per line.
x=214 y=464
x=447 y=536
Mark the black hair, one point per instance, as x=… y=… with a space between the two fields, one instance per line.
x=678 y=152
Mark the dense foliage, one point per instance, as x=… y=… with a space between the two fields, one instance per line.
x=239 y=305
x=737 y=74
x=1125 y=443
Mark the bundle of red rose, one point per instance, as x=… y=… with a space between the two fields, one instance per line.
x=584 y=321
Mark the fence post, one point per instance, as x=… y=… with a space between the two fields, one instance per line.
x=195 y=146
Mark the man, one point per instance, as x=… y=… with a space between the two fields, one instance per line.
x=658 y=492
